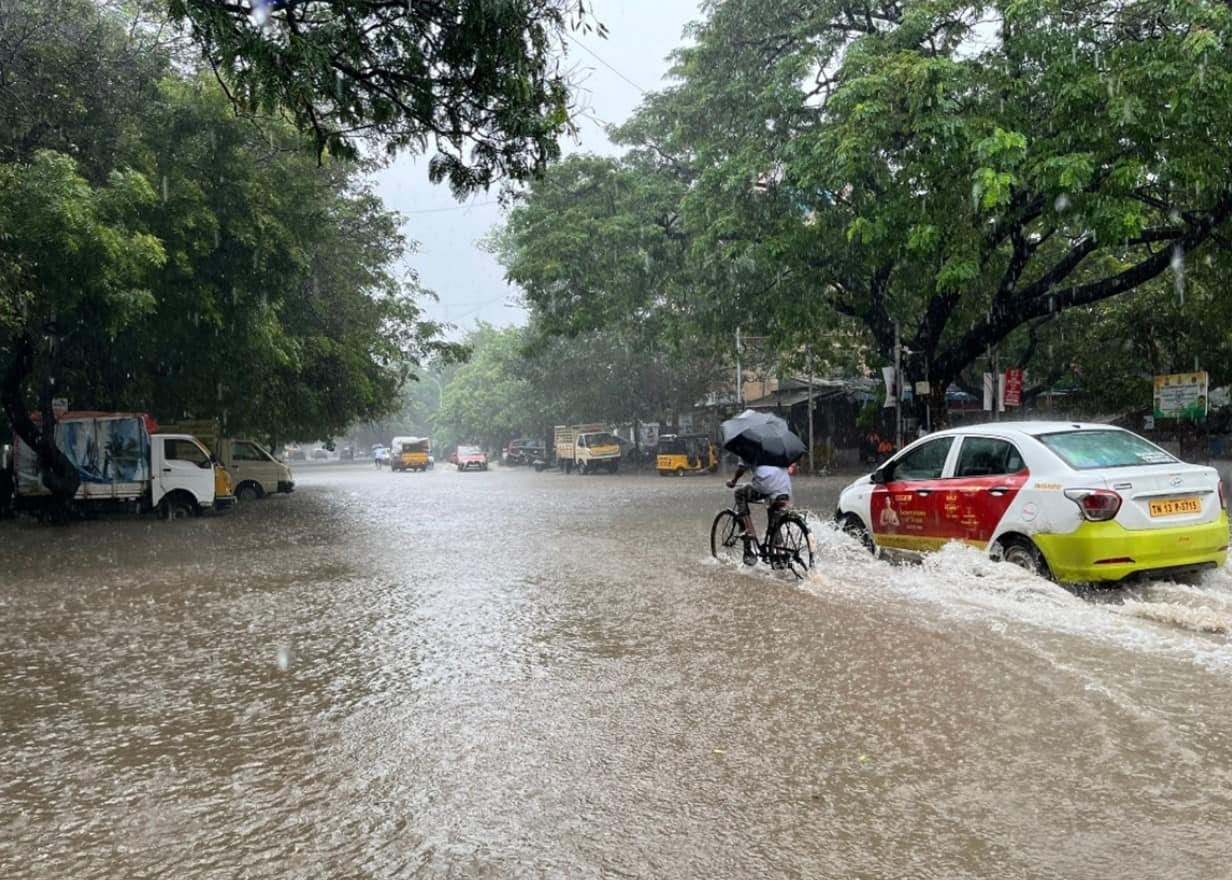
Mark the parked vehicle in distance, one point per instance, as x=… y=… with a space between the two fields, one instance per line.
x=1072 y=501
x=320 y=454
x=586 y=448
x=471 y=458
x=525 y=451
x=682 y=454
x=409 y=454
x=294 y=453
x=124 y=463
x=253 y=469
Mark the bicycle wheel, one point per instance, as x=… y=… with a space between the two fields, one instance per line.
x=725 y=541
x=791 y=546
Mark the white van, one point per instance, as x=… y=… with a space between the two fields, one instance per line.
x=254 y=470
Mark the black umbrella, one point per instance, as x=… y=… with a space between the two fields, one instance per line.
x=761 y=438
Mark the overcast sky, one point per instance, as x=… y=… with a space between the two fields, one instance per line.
x=612 y=74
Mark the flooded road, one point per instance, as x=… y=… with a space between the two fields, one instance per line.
x=510 y=674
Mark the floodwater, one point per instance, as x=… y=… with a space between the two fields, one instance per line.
x=510 y=674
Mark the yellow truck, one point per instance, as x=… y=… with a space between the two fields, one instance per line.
x=410 y=454
x=588 y=448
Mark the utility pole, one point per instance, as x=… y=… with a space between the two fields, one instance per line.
x=996 y=385
x=812 y=464
x=898 y=390
x=739 y=375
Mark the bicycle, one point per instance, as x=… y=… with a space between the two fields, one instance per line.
x=787 y=545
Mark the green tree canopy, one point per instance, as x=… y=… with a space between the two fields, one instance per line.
x=479 y=83
x=199 y=266
x=967 y=172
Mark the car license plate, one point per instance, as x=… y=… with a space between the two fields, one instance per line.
x=1175 y=506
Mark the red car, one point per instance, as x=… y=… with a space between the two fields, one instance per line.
x=471 y=458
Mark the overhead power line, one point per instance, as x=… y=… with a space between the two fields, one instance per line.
x=595 y=55
x=452 y=208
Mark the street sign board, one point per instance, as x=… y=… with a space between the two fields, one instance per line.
x=1181 y=395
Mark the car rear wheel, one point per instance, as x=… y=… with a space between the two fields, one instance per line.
x=248 y=492
x=1024 y=554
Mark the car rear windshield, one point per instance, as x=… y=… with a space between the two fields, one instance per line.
x=469 y=450
x=1084 y=450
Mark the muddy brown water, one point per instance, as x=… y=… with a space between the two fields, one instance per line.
x=510 y=674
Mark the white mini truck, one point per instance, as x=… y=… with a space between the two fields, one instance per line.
x=123 y=465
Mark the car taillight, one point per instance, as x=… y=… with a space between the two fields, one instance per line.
x=1223 y=501
x=1097 y=505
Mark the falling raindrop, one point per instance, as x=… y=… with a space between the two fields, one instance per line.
x=284 y=658
x=1178 y=272
x=1062 y=203
x=164 y=189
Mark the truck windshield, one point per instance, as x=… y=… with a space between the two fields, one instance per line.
x=599 y=440
x=185 y=450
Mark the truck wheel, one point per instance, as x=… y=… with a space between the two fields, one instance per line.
x=680 y=472
x=175 y=507
x=248 y=492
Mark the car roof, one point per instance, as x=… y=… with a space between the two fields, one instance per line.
x=1027 y=427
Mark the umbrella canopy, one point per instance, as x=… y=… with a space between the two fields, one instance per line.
x=761 y=438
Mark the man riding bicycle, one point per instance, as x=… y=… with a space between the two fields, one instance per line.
x=770 y=483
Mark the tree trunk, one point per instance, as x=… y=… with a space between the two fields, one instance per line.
x=58 y=473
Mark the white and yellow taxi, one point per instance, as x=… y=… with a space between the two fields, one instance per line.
x=1074 y=502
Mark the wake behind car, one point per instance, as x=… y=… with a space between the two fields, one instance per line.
x=471 y=458
x=1077 y=502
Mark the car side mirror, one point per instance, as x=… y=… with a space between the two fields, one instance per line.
x=882 y=474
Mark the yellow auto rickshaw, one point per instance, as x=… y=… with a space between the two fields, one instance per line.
x=682 y=454
x=410 y=454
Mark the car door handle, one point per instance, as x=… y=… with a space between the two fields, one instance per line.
x=997 y=491
x=166 y=470
x=923 y=493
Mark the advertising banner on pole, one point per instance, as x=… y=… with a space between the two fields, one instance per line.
x=1181 y=395
x=1013 y=387
x=887 y=373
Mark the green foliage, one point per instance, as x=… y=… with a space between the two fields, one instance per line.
x=488 y=401
x=70 y=251
x=522 y=381
x=199 y=266
x=479 y=81
x=967 y=174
